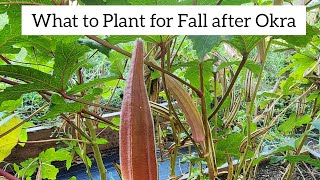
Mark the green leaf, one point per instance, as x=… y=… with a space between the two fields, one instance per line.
x=294 y=121
x=267 y=94
x=193 y=158
x=28 y=74
x=121 y=39
x=41 y=43
x=244 y=44
x=67 y=61
x=51 y=155
x=253 y=127
x=141 y=2
x=256 y=161
x=29 y=166
x=230 y=145
x=102 y=125
x=117 y=65
x=12 y=29
x=283 y=149
x=24 y=134
x=69 y=160
x=193 y=72
x=23 y=137
x=94 y=45
x=6 y=37
x=116 y=121
x=59 y=105
x=9 y=141
x=49 y=171
x=4 y=20
x=226 y=103
x=101 y=141
x=300 y=40
x=234 y=2
x=313 y=95
x=118 y=39
x=105 y=2
x=10 y=105
x=15 y=92
x=252 y=66
x=287 y=84
x=301 y=63
x=303 y=158
x=93 y=83
x=13 y=11
x=170 y=2
x=204 y=44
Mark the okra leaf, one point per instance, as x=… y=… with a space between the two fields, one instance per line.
x=67 y=61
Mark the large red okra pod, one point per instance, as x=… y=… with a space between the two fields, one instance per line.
x=137 y=140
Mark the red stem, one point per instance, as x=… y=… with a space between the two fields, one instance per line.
x=7 y=175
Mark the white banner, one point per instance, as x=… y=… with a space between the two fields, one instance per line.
x=163 y=20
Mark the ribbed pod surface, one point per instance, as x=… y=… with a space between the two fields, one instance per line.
x=137 y=140
x=189 y=109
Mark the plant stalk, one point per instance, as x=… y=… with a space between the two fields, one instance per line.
x=241 y=65
x=291 y=166
x=263 y=49
x=173 y=156
x=96 y=151
x=209 y=146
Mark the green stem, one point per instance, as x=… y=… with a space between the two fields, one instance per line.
x=303 y=140
x=176 y=53
x=76 y=127
x=241 y=65
x=96 y=150
x=104 y=120
x=215 y=104
x=173 y=156
x=199 y=93
x=209 y=147
x=249 y=106
x=85 y=160
x=126 y=53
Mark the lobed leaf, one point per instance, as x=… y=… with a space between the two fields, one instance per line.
x=67 y=61
x=93 y=83
x=294 y=121
x=27 y=74
x=250 y=65
x=9 y=141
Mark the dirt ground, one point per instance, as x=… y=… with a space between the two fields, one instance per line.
x=275 y=172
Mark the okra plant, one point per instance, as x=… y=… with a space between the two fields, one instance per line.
x=217 y=100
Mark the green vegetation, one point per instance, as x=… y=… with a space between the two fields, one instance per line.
x=252 y=93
